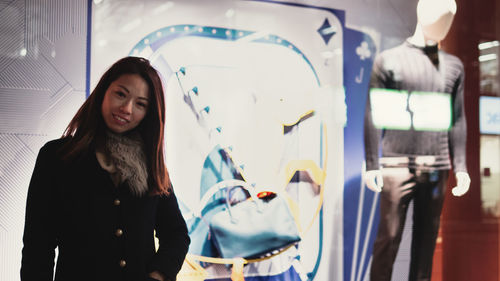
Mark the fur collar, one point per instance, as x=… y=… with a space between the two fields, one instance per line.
x=123 y=157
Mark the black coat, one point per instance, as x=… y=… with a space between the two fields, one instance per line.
x=102 y=232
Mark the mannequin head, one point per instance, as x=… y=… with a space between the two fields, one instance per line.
x=434 y=21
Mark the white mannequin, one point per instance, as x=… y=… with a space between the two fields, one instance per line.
x=434 y=22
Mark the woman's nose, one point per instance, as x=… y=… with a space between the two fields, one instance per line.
x=126 y=107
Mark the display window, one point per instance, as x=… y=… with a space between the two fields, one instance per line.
x=305 y=140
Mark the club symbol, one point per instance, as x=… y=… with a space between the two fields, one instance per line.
x=363 y=51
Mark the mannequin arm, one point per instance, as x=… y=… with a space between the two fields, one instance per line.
x=373 y=180
x=463 y=184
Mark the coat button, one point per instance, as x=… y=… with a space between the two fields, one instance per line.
x=123 y=263
x=118 y=232
x=117 y=202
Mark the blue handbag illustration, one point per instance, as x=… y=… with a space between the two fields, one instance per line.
x=218 y=171
x=254 y=227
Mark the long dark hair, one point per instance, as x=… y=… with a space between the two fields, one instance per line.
x=88 y=123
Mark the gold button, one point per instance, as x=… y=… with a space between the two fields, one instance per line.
x=123 y=263
x=118 y=232
x=116 y=202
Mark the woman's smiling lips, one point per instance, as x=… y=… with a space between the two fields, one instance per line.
x=120 y=120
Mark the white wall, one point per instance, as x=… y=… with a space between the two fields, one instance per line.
x=42 y=78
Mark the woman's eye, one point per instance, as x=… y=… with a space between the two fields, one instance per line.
x=120 y=94
x=141 y=104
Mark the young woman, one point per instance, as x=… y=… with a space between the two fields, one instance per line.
x=100 y=192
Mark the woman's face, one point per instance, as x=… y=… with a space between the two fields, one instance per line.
x=125 y=103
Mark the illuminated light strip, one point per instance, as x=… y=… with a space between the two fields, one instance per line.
x=418 y=110
x=367 y=234
x=487 y=45
x=358 y=229
x=395 y=116
x=367 y=273
x=487 y=57
x=432 y=111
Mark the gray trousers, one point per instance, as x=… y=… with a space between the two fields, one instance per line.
x=427 y=190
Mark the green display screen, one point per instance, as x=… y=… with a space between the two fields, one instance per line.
x=403 y=110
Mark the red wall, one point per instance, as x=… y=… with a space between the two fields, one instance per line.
x=470 y=242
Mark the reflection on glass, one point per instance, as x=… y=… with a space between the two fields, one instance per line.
x=490 y=175
x=488 y=66
x=489 y=119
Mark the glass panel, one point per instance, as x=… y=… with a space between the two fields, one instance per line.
x=489 y=120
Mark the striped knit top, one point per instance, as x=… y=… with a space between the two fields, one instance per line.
x=408 y=75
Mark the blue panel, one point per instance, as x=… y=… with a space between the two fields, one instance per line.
x=359 y=52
